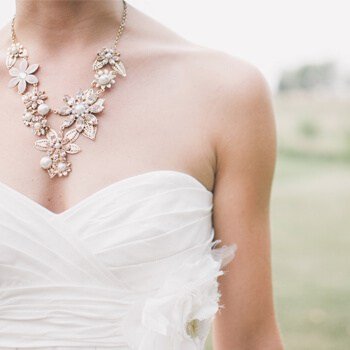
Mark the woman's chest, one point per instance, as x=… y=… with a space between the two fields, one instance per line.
x=141 y=127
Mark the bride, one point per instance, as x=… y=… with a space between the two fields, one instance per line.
x=134 y=187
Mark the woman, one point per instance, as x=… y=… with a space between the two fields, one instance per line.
x=112 y=247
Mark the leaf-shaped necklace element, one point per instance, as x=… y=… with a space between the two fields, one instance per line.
x=80 y=110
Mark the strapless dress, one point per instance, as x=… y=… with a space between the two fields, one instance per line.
x=132 y=266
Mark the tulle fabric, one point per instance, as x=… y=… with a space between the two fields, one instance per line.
x=134 y=266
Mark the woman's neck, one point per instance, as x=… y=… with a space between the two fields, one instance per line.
x=59 y=23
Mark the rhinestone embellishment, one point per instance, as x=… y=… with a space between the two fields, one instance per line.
x=79 y=112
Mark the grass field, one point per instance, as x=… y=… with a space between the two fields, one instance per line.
x=311 y=222
x=311 y=247
x=311 y=225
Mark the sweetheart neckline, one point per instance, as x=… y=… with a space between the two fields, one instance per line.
x=91 y=196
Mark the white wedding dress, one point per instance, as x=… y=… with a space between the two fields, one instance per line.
x=133 y=266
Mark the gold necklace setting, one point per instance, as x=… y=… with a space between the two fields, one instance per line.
x=79 y=112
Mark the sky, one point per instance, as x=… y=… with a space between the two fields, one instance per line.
x=272 y=34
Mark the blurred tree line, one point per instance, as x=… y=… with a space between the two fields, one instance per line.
x=311 y=77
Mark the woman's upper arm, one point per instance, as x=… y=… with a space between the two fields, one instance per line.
x=245 y=152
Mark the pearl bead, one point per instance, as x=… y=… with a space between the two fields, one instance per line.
x=79 y=108
x=14 y=49
x=37 y=126
x=104 y=79
x=57 y=145
x=43 y=109
x=22 y=75
x=61 y=166
x=28 y=117
x=45 y=162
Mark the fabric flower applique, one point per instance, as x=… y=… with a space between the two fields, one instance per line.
x=23 y=75
x=81 y=110
x=15 y=51
x=56 y=147
x=180 y=314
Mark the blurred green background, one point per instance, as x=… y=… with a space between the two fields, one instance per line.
x=311 y=210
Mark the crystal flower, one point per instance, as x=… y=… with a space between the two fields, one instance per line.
x=104 y=79
x=106 y=56
x=36 y=122
x=33 y=99
x=35 y=111
x=111 y=57
x=56 y=147
x=15 y=51
x=82 y=109
x=23 y=75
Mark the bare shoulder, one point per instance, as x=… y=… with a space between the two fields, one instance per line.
x=221 y=79
x=218 y=71
x=244 y=96
x=229 y=97
x=238 y=86
x=238 y=113
x=226 y=82
x=242 y=122
x=237 y=98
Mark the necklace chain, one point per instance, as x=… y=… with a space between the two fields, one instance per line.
x=13 y=32
x=117 y=38
x=79 y=111
x=122 y=24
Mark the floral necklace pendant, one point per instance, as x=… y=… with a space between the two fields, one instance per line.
x=79 y=113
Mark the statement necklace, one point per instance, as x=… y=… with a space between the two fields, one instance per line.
x=79 y=111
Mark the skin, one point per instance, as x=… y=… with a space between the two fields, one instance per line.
x=182 y=107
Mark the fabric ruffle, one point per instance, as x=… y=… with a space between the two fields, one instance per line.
x=179 y=315
x=133 y=266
